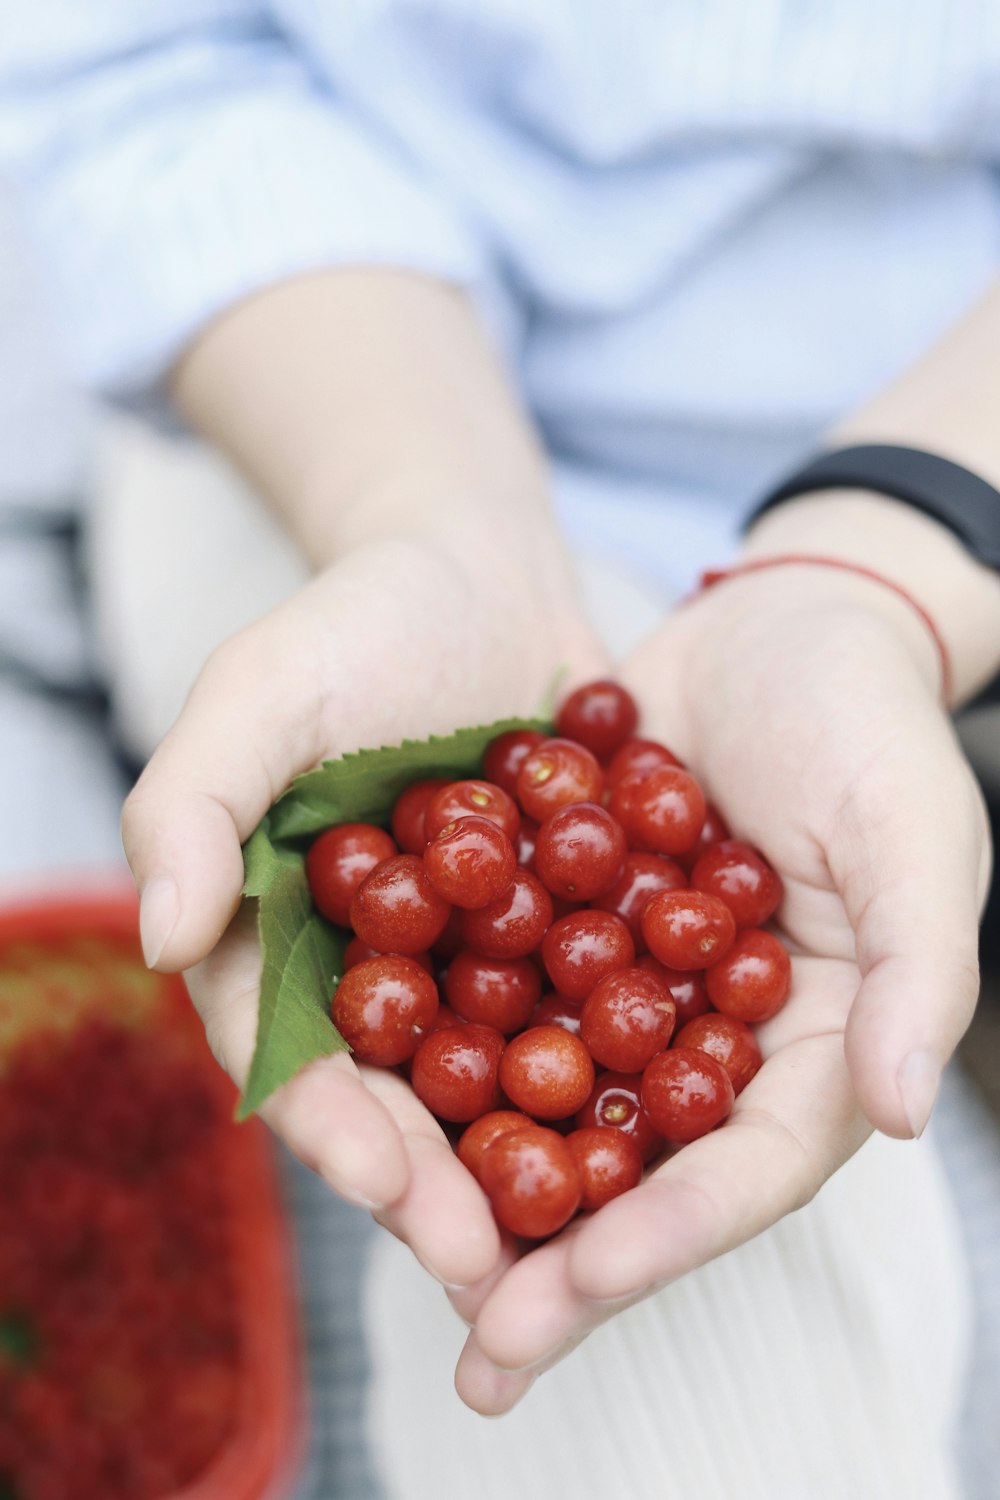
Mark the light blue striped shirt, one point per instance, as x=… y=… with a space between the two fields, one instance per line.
x=701 y=229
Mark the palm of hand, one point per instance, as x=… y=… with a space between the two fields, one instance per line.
x=829 y=790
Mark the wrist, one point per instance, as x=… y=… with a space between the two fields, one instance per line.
x=919 y=555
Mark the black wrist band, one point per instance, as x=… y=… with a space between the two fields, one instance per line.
x=957 y=498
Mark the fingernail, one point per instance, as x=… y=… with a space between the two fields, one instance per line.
x=919 y=1078
x=159 y=909
x=351 y=1194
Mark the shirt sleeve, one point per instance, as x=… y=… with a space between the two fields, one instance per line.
x=176 y=155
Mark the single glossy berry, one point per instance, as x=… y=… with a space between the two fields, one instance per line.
x=636 y=757
x=455 y=1071
x=729 y=1041
x=580 y=949
x=514 y=924
x=686 y=1094
x=547 y=1072
x=357 y=951
x=580 y=852
x=616 y=1102
x=531 y=1179
x=480 y=799
x=609 y=1163
x=527 y=835
x=383 y=1007
x=409 y=811
x=600 y=715
x=735 y=872
x=505 y=755
x=484 y=1131
x=396 y=909
x=337 y=863
x=627 y=1018
x=556 y=773
x=554 y=1009
x=470 y=862
x=687 y=929
x=661 y=811
x=753 y=979
x=642 y=877
x=713 y=831
x=500 y=992
x=687 y=988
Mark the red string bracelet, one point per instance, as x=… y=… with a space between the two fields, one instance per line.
x=718 y=575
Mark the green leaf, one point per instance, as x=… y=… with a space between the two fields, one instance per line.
x=302 y=953
x=302 y=960
x=363 y=786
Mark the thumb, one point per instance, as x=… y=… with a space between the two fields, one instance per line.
x=243 y=734
x=910 y=857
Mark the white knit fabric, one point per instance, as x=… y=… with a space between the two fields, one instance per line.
x=822 y=1361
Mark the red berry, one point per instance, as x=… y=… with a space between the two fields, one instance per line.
x=609 y=1163
x=642 y=877
x=408 y=814
x=555 y=774
x=742 y=878
x=713 y=831
x=627 y=1018
x=547 y=1072
x=554 y=1009
x=455 y=1071
x=600 y=715
x=531 y=1178
x=687 y=989
x=580 y=949
x=686 y=1094
x=753 y=979
x=526 y=843
x=505 y=756
x=337 y=863
x=662 y=811
x=580 y=851
x=687 y=929
x=383 y=1007
x=729 y=1041
x=396 y=909
x=470 y=862
x=484 y=1131
x=480 y=799
x=636 y=757
x=615 y=1101
x=500 y=992
x=514 y=924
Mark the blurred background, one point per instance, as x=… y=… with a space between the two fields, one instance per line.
x=65 y=767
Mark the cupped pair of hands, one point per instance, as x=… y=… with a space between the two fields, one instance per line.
x=809 y=707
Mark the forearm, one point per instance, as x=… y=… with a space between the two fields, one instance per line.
x=949 y=403
x=367 y=404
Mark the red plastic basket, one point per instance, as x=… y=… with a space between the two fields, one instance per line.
x=263 y=1455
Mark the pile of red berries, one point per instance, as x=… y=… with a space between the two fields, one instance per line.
x=120 y=1356
x=593 y=862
